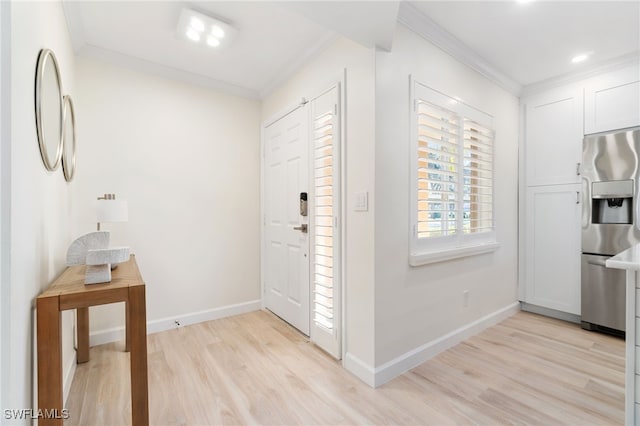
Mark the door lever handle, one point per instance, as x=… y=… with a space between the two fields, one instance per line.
x=302 y=228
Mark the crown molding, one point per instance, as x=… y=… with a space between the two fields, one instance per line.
x=592 y=71
x=428 y=29
x=73 y=16
x=293 y=67
x=150 y=67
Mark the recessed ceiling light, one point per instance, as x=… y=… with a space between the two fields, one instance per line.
x=193 y=34
x=217 y=32
x=524 y=1
x=204 y=30
x=580 y=58
x=197 y=24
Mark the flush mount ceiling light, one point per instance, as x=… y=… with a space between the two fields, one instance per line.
x=204 y=30
x=581 y=57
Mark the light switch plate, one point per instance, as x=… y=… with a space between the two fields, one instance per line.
x=361 y=201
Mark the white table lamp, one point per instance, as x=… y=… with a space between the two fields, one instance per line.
x=108 y=209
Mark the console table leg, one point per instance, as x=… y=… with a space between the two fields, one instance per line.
x=127 y=325
x=49 y=335
x=82 y=316
x=137 y=331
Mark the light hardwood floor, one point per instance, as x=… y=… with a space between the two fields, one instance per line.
x=255 y=369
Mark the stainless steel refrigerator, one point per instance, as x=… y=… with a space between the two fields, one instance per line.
x=610 y=188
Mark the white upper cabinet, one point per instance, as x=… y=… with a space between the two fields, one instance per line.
x=612 y=101
x=553 y=135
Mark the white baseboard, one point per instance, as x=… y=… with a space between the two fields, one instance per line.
x=411 y=359
x=548 y=312
x=108 y=335
x=360 y=369
x=116 y=334
x=164 y=324
x=415 y=357
x=68 y=378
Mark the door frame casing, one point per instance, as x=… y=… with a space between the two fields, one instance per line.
x=340 y=83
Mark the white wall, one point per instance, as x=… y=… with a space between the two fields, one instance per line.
x=187 y=160
x=41 y=201
x=325 y=69
x=417 y=305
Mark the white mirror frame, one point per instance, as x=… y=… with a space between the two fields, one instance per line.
x=69 y=119
x=46 y=58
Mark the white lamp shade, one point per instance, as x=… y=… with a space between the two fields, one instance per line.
x=112 y=211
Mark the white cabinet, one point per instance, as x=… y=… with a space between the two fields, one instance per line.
x=612 y=101
x=552 y=246
x=551 y=210
x=555 y=123
x=553 y=134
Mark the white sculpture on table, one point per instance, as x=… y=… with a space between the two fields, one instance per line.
x=93 y=250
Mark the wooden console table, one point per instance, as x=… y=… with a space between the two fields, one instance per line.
x=68 y=291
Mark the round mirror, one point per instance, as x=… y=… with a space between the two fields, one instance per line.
x=49 y=109
x=68 y=140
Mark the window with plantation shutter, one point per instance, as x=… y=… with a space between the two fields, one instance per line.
x=478 y=178
x=325 y=238
x=323 y=219
x=452 y=175
x=438 y=170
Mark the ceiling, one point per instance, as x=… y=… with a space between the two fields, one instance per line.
x=526 y=42
x=534 y=41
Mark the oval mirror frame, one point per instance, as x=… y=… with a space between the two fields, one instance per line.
x=69 y=139
x=48 y=73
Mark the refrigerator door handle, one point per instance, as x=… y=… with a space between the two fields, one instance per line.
x=597 y=262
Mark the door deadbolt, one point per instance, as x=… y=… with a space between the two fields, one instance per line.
x=302 y=228
x=303 y=204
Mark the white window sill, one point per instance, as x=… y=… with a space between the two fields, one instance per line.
x=419 y=259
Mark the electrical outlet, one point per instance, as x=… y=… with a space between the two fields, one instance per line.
x=465 y=298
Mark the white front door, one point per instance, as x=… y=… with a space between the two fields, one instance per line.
x=286 y=245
